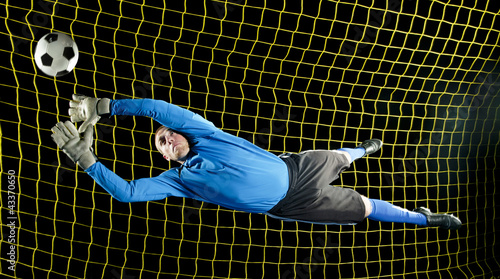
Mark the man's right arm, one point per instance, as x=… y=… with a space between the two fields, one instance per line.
x=144 y=189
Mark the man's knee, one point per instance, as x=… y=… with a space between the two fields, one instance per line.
x=368 y=205
x=347 y=155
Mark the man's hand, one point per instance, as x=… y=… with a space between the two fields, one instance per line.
x=84 y=108
x=78 y=150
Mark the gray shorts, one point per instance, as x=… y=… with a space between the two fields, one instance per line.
x=311 y=196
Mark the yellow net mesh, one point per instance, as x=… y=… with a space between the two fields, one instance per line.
x=288 y=76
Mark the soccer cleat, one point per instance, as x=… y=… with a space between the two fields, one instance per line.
x=371 y=146
x=444 y=221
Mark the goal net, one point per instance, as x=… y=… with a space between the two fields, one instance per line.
x=288 y=76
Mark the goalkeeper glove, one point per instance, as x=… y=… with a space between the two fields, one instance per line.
x=87 y=109
x=78 y=149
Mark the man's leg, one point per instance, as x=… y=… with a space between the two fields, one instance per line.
x=379 y=210
x=367 y=147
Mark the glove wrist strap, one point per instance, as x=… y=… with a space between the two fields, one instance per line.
x=103 y=106
x=86 y=160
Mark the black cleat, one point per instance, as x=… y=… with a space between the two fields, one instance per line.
x=371 y=146
x=444 y=221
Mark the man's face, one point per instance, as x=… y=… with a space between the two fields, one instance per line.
x=172 y=146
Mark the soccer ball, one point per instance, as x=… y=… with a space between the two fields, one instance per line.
x=56 y=54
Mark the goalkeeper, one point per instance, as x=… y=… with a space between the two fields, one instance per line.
x=220 y=168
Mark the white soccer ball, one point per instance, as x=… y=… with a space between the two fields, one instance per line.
x=56 y=54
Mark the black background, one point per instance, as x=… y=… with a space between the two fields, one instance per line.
x=288 y=77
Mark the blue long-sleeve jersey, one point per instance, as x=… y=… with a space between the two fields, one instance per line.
x=221 y=168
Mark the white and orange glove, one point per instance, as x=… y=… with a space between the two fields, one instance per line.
x=87 y=109
x=78 y=149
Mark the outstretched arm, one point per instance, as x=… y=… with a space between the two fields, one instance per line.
x=144 y=189
x=89 y=110
x=78 y=149
x=169 y=115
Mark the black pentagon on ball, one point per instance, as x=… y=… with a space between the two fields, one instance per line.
x=46 y=60
x=51 y=37
x=68 y=53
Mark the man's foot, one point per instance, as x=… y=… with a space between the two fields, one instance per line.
x=371 y=146
x=444 y=221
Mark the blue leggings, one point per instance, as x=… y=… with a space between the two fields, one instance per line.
x=386 y=212
x=355 y=153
